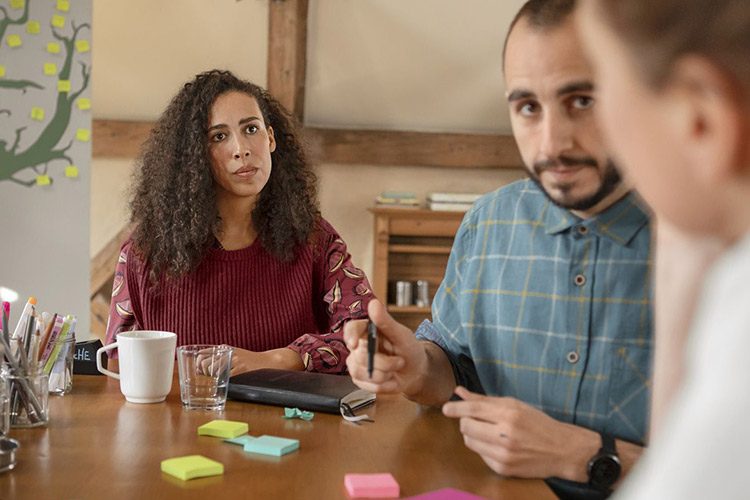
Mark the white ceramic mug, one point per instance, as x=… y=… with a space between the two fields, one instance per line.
x=146 y=364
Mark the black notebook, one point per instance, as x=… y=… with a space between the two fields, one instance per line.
x=304 y=390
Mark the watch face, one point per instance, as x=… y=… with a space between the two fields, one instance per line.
x=605 y=470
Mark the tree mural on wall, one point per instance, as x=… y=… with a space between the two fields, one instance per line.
x=27 y=165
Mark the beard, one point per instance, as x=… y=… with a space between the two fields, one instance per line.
x=610 y=180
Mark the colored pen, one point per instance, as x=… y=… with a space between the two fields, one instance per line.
x=25 y=314
x=372 y=346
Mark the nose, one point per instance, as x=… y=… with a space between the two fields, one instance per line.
x=241 y=149
x=556 y=135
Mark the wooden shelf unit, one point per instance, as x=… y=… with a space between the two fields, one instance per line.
x=411 y=244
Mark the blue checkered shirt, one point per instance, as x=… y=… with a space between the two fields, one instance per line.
x=540 y=305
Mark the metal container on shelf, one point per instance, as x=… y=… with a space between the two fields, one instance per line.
x=403 y=293
x=423 y=293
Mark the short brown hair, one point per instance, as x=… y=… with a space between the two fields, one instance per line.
x=662 y=31
x=542 y=15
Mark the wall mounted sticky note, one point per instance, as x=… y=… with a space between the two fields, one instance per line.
x=58 y=21
x=33 y=27
x=53 y=48
x=371 y=486
x=272 y=445
x=63 y=85
x=43 y=180
x=63 y=5
x=71 y=172
x=83 y=103
x=242 y=440
x=83 y=45
x=13 y=41
x=17 y=4
x=83 y=135
x=37 y=113
x=50 y=69
x=191 y=467
x=223 y=428
x=2 y=71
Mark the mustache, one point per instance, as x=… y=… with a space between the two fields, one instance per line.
x=566 y=161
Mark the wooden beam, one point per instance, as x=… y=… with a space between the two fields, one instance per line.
x=287 y=53
x=119 y=139
x=381 y=147
x=122 y=139
x=103 y=263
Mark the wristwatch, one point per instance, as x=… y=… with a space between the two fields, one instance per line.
x=604 y=468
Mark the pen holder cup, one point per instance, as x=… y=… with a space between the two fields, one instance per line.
x=27 y=395
x=60 y=366
x=4 y=408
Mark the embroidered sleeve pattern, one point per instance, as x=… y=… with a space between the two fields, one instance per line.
x=347 y=293
x=121 y=317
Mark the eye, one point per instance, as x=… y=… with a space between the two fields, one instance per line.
x=218 y=137
x=251 y=129
x=582 y=102
x=528 y=108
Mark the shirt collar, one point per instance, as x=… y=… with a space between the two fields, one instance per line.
x=620 y=222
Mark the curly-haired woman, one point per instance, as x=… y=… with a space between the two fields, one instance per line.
x=228 y=245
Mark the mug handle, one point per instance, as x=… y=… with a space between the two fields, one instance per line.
x=99 y=366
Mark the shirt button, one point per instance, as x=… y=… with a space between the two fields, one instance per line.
x=582 y=230
x=580 y=280
x=573 y=357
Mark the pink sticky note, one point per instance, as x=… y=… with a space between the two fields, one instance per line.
x=371 y=486
x=446 y=494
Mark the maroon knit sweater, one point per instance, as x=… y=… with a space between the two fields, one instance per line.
x=250 y=299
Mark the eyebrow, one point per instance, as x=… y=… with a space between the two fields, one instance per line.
x=575 y=87
x=570 y=88
x=242 y=122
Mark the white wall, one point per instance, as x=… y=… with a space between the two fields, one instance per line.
x=428 y=65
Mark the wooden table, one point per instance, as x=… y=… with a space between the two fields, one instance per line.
x=99 y=446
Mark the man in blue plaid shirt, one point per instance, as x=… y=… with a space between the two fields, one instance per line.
x=542 y=325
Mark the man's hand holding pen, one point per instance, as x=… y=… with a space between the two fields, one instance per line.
x=398 y=360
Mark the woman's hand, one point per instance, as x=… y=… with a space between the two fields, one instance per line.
x=245 y=361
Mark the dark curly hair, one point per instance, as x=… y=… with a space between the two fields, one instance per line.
x=173 y=196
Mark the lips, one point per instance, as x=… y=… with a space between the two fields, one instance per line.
x=246 y=171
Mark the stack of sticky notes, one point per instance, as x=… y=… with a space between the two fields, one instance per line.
x=446 y=494
x=191 y=467
x=223 y=429
x=371 y=486
x=266 y=445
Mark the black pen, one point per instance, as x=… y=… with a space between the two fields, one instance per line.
x=372 y=346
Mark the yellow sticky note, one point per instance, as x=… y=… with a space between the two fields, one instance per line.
x=84 y=103
x=63 y=85
x=83 y=45
x=83 y=135
x=43 y=180
x=191 y=466
x=71 y=171
x=50 y=69
x=17 y=4
x=223 y=429
x=2 y=71
x=53 y=48
x=13 y=41
x=63 y=5
x=58 y=21
x=37 y=113
x=33 y=27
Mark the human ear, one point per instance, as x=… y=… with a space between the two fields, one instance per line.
x=710 y=118
x=271 y=139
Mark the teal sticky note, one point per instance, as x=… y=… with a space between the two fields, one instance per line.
x=241 y=440
x=272 y=445
x=223 y=429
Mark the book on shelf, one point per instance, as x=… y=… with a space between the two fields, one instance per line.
x=397 y=198
x=448 y=207
x=453 y=197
